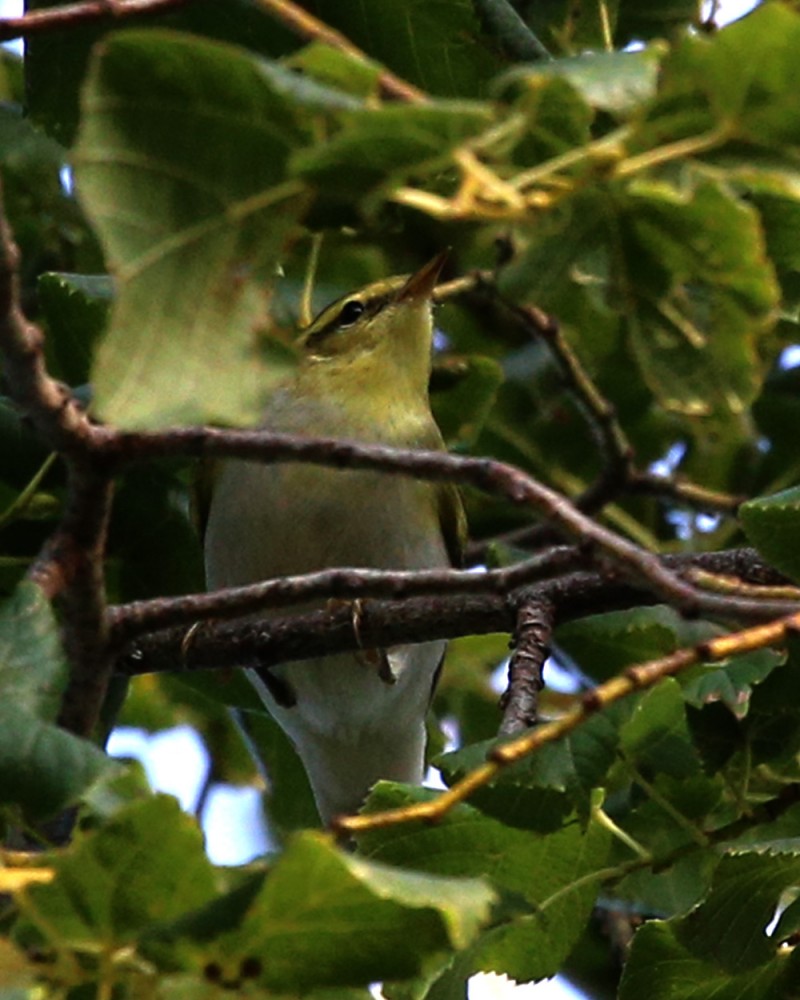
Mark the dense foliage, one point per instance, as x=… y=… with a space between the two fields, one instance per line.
x=645 y=199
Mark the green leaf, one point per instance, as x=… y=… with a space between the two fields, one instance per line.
x=334 y=68
x=663 y=968
x=550 y=871
x=55 y=61
x=435 y=44
x=33 y=669
x=75 y=307
x=558 y=118
x=772 y=726
x=24 y=148
x=180 y=164
x=730 y=681
x=12 y=82
x=739 y=81
x=701 y=293
x=538 y=792
x=463 y=393
x=721 y=943
x=675 y=796
x=603 y=645
x=389 y=143
x=617 y=82
x=151 y=535
x=656 y=737
x=145 y=865
x=23 y=450
x=113 y=791
x=323 y=918
x=676 y=887
x=42 y=767
x=773 y=526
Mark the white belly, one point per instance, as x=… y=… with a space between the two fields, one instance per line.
x=349 y=724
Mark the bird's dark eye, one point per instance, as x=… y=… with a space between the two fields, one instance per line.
x=350 y=312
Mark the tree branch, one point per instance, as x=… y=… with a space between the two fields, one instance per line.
x=71 y=570
x=139 y=617
x=39 y=22
x=482 y=473
x=411 y=619
x=619 y=474
x=71 y=566
x=520 y=702
x=49 y=404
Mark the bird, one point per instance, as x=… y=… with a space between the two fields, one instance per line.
x=362 y=375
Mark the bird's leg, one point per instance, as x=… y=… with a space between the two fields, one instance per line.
x=373 y=659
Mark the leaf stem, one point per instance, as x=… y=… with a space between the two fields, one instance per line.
x=18 y=506
x=602 y=817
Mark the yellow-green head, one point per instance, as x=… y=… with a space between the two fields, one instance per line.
x=378 y=338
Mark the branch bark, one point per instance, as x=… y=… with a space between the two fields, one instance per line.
x=384 y=623
x=520 y=702
x=40 y=22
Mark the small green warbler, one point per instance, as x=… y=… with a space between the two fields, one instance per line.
x=363 y=374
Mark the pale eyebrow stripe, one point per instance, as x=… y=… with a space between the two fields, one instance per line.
x=371 y=307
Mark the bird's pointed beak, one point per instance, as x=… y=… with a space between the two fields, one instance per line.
x=422 y=282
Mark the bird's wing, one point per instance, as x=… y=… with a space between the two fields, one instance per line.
x=453 y=522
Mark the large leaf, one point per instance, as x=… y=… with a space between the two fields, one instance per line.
x=549 y=871
x=145 y=865
x=436 y=44
x=701 y=294
x=56 y=60
x=720 y=948
x=180 y=164
x=733 y=87
x=603 y=645
x=537 y=793
x=323 y=918
x=773 y=526
x=392 y=141
x=33 y=670
x=42 y=767
x=76 y=309
x=656 y=737
x=617 y=82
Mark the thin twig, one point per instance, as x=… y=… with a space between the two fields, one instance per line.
x=722 y=583
x=24 y=499
x=516 y=38
x=619 y=474
x=39 y=22
x=682 y=491
x=48 y=403
x=311 y=28
x=602 y=415
x=633 y=679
